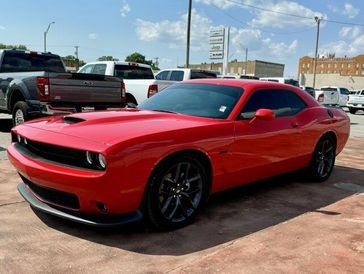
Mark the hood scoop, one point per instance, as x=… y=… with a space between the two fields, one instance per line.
x=72 y=120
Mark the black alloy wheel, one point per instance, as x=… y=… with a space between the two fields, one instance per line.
x=176 y=193
x=323 y=159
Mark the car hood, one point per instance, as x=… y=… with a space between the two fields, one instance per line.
x=110 y=127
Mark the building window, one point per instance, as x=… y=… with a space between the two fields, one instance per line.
x=362 y=72
x=303 y=65
x=349 y=65
x=357 y=72
x=362 y=66
x=357 y=65
x=308 y=65
x=335 y=65
x=329 y=65
x=342 y=65
x=322 y=65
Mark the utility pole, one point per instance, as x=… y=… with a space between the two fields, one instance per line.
x=318 y=20
x=246 y=60
x=77 y=60
x=188 y=34
x=45 y=36
x=156 y=63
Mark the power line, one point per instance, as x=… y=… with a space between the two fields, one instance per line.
x=292 y=15
x=260 y=29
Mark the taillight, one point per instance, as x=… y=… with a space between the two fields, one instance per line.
x=123 y=94
x=320 y=98
x=43 y=89
x=153 y=89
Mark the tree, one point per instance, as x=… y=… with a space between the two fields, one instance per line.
x=70 y=60
x=107 y=58
x=21 y=47
x=140 y=58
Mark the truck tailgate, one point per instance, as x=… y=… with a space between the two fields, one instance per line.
x=84 y=88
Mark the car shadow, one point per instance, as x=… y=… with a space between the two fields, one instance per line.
x=5 y=124
x=228 y=216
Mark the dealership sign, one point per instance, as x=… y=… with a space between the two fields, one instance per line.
x=217 y=37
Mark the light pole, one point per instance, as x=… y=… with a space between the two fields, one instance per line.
x=318 y=20
x=45 y=36
x=188 y=34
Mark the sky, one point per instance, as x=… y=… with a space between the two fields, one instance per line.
x=279 y=31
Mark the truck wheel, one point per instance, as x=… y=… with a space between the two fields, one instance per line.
x=20 y=113
x=352 y=110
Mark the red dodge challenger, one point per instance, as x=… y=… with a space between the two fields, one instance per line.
x=163 y=160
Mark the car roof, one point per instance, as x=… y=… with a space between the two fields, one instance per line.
x=120 y=63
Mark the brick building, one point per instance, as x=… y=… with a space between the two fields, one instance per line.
x=344 y=66
x=330 y=71
x=255 y=68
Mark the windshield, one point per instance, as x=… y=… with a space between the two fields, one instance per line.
x=204 y=100
x=133 y=72
x=22 y=61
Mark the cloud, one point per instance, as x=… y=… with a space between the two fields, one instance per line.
x=350 y=32
x=125 y=9
x=2 y=27
x=280 y=49
x=279 y=19
x=223 y=4
x=92 y=36
x=174 y=32
x=344 y=48
x=350 y=11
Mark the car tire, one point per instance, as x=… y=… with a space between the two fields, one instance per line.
x=20 y=113
x=352 y=110
x=176 y=192
x=323 y=159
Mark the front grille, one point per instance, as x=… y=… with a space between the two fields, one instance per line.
x=56 y=197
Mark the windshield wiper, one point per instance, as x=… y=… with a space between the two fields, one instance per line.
x=163 y=110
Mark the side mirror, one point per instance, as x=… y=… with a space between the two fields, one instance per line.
x=263 y=114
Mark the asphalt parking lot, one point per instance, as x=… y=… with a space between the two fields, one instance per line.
x=282 y=225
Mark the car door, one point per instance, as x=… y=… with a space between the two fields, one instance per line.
x=263 y=148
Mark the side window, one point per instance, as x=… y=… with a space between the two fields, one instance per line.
x=87 y=69
x=162 y=75
x=99 y=69
x=176 y=75
x=282 y=102
x=344 y=91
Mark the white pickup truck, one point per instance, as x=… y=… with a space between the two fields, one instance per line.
x=168 y=77
x=356 y=102
x=138 y=78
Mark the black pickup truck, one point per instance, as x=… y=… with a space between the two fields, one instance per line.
x=34 y=84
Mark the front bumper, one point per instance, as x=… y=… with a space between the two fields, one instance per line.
x=87 y=219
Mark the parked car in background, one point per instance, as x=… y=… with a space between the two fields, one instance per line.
x=168 y=77
x=333 y=96
x=309 y=90
x=237 y=76
x=356 y=102
x=163 y=160
x=139 y=79
x=282 y=80
x=34 y=84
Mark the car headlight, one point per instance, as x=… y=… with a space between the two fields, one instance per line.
x=89 y=159
x=102 y=161
x=96 y=160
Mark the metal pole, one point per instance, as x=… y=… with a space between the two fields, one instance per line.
x=246 y=60
x=188 y=34
x=45 y=36
x=318 y=20
x=77 y=60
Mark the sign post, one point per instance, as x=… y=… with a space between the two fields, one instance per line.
x=219 y=45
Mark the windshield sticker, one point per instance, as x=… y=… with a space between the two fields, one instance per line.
x=222 y=109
